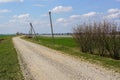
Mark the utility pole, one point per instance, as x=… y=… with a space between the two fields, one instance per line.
x=51 y=27
x=32 y=31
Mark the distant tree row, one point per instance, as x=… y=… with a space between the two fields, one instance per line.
x=58 y=33
x=102 y=38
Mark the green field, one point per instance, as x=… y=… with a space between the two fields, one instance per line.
x=9 y=67
x=68 y=46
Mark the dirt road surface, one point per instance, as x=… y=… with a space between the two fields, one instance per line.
x=42 y=63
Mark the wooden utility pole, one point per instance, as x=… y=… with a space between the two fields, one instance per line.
x=51 y=27
x=32 y=31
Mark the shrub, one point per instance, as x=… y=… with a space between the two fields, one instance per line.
x=100 y=38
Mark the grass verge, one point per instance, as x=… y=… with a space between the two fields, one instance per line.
x=9 y=67
x=68 y=46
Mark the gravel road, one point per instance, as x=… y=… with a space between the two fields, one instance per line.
x=42 y=63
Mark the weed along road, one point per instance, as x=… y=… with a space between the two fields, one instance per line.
x=42 y=63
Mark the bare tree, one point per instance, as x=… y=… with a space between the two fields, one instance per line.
x=98 y=38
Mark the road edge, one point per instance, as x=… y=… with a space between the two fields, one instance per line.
x=25 y=72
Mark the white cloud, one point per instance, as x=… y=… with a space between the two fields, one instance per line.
x=77 y=19
x=5 y=1
x=20 y=18
x=61 y=20
x=75 y=16
x=5 y=11
x=113 y=10
x=60 y=9
x=39 y=5
x=21 y=22
x=113 y=14
x=90 y=14
x=89 y=17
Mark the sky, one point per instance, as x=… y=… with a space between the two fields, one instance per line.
x=15 y=15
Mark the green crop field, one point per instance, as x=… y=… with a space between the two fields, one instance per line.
x=9 y=67
x=68 y=46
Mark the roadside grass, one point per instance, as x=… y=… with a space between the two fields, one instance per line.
x=67 y=45
x=9 y=67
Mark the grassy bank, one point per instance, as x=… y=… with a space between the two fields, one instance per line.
x=68 y=46
x=9 y=67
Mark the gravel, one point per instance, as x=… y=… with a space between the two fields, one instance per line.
x=43 y=63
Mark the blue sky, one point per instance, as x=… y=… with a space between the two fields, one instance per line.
x=15 y=15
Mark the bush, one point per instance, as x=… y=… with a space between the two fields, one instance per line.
x=101 y=38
